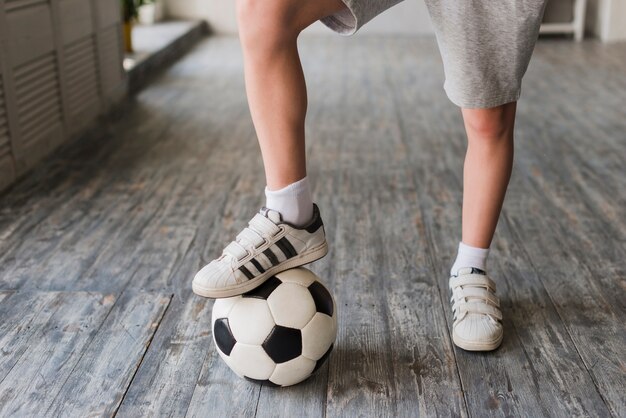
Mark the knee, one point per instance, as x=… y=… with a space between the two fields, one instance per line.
x=266 y=24
x=490 y=125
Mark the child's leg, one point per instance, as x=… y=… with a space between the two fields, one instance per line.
x=483 y=77
x=289 y=232
x=487 y=170
x=486 y=174
x=275 y=82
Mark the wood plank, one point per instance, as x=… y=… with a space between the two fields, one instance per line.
x=65 y=323
x=100 y=171
x=578 y=120
x=110 y=264
x=40 y=237
x=582 y=198
x=424 y=363
x=590 y=319
x=98 y=382
x=219 y=391
x=168 y=373
x=585 y=194
x=360 y=371
x=82 y=241
x=157 y=224
x=23 y=315
x=597 y=115
x=37 y=238
x=589 y=211
x=33 y=195
x=5 y=294
x=85 y=233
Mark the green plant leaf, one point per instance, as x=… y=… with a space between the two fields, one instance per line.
x=130 y=8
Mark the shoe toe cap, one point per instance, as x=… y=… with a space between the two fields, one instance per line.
x=479 y=328
x=213 y=276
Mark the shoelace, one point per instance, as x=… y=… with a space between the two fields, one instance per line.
x=259 y=230
x=474 y=293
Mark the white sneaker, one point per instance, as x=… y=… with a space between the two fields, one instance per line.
x=264 y=248
x=476 y=308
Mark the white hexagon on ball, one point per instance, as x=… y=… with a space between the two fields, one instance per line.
x=250 y=321
x=318 y=335
x=222 y=307
x=298 y=275
x=292 y=371
x=251 y=361
x=292 y=305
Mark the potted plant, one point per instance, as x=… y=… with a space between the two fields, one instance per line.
x=150 y=13
x=130 y=11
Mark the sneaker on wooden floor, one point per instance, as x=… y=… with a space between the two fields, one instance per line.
x=264 y=248
x=477 y=317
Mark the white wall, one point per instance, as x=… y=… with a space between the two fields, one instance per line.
x=406 y=17
x=607 y=19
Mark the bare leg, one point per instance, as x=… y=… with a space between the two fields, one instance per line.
x=276 y=92
x=275 y=83
x=487 y=170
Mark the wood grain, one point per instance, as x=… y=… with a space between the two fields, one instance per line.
x=100 y=379
x=169 y=371
x=49 y=353
x=98 y=246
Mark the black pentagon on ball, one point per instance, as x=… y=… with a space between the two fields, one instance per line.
x=224 y=337
x=262 y=382
x=264 y=290
x=323 y=299
x=322 y=359
x=283 y=344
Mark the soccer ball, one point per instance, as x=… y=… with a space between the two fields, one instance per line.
x=279 y=333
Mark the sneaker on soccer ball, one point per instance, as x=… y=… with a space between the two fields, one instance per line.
x=264 y=248
x=477 y=317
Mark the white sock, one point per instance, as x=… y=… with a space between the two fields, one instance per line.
x=294 y=202
x=469 y=257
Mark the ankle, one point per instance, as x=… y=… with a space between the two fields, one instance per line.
x=294 y=202
x=469 y=256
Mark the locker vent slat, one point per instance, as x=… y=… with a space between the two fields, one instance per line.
x=37 y=93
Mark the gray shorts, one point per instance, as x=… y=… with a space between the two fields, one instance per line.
x=485 y=45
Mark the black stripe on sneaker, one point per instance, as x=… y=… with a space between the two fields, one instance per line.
x=286 y=247
x=258 y=265
x=271 y=256
x=246 y=272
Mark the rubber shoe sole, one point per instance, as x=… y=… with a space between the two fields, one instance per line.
x=476 y=346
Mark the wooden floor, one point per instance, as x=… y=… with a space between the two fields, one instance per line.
x=98 y=246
